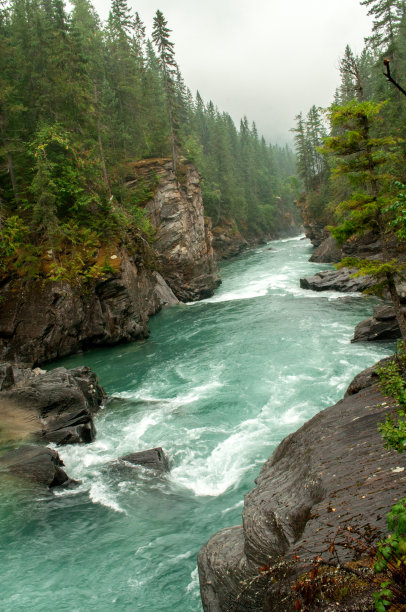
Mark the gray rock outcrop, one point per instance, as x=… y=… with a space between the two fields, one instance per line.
x=327 y=252
x=306 y=492
x=40 y=322
x=382 y=326
x=336 y=280
x=61 y=402
x=40 y=465
x=152 y=459
x=183 y=234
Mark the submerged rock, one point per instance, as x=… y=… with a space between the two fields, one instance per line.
x=39 y=464
x=62 y=401
x=305 y=493
x=382 y=326
x=336 y=280
x=153 y=459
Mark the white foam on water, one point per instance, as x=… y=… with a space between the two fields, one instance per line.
x=137 y=430
x=226 y=464
x=294 y=239
x=194 y=583
x=239 y=504
x=252 y=289
x=99 y=494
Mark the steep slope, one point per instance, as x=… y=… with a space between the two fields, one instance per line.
x=306 y=494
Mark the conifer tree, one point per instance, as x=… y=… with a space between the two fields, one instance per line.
x=387 y=16
x=166 y=56
x=363 y=159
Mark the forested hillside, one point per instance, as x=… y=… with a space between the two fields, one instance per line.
x=79 y=100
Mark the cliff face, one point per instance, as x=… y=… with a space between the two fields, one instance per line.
x=183 y=237
x=305 y=495
x=41 y=321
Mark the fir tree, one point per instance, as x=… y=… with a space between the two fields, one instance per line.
x=166 y=56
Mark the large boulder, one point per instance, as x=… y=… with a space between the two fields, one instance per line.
x=38 y=464
x=382 y=326
x=327 y=252
x=306 y=494
x=152 y=459
x=62 y=401
x=336 y=280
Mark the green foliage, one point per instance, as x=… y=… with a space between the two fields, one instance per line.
x=393 y=384
x=397 y=210
x=391 y=559
x=78 y=101
x=12 y=235
x=391 y=552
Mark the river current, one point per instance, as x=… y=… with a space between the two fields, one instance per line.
x=218 y=385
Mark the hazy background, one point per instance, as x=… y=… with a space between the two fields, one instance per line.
x=267 y=59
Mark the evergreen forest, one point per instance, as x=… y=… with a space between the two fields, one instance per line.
x=351 y=157
x=79 y=100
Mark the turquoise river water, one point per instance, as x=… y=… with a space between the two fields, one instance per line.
x=218 y=385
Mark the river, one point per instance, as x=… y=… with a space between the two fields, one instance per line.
x=218 y=385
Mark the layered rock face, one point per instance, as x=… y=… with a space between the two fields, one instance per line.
x=40 y=465
x=61 y=403
x=382 y=326
x=39 y=406
x=183 y=234
x=306 y=493
x=40 y=321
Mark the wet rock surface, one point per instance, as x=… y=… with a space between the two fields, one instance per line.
x=152 y=459
x=336 y=280
x=62 y=401
x=327 y=252
x=228 y=241
x=382 y=326
x=331 y=474
x=38 y=464
x=40 y=322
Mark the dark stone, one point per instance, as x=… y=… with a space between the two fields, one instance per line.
x=333 y=473
x=382 y=326
x=36 y=463
x=336 y=280
x=64 y=401
x=40 y=322
x=153 y=459
x=327 y=252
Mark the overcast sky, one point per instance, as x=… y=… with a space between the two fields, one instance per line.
x=267 y=59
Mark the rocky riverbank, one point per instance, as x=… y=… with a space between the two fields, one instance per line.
x=308 y=496
x=42 y=321
x=42 y=407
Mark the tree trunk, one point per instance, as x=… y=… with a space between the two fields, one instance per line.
x=401 y=319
